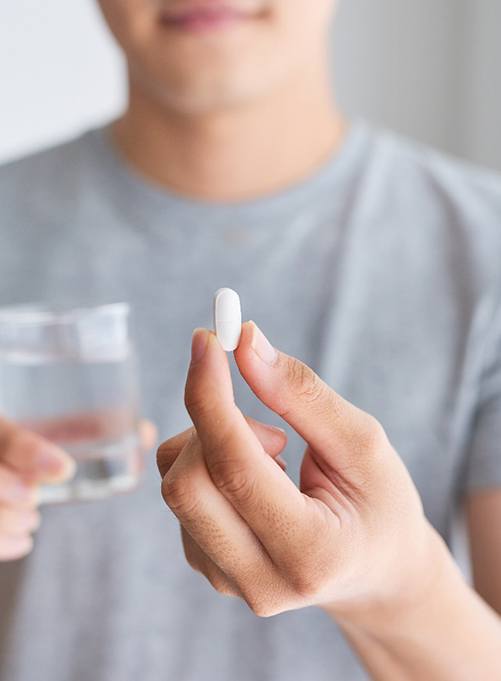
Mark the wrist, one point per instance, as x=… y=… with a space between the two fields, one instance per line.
x=413 y=591
x=441 y=630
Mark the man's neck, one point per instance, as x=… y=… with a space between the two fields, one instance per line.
x=240 y=154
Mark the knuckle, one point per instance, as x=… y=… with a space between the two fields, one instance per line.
x=178 y=494
x=306 y=384
x=232 y=479
x=373 y=437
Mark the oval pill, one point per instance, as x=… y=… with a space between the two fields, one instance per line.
x=227 y=318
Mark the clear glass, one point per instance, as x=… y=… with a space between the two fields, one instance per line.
x=70 y=375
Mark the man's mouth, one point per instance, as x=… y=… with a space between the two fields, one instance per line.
x=205 y=17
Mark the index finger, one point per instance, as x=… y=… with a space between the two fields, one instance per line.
x=239 y=467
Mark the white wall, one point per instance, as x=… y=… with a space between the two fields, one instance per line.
x=59 y=72
x=481 y=100
x=427 y=68
x=430 y=68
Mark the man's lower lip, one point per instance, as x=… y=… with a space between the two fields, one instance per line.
x=198 y=22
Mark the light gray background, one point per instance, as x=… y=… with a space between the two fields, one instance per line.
x=428 y=68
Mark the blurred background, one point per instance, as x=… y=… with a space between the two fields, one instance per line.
x=429 y=69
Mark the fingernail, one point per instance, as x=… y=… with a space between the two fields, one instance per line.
x=274 y=429
x=199 y=342
x=55 y=462
x=262 y=346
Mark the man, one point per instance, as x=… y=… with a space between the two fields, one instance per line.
x=371 y=259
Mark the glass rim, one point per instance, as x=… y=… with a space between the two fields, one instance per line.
x=47 y=313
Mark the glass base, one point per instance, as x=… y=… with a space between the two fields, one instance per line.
x=103 y=469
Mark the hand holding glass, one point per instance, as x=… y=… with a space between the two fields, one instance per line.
x=70 y=376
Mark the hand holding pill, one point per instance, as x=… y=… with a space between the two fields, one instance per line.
x=352 y=536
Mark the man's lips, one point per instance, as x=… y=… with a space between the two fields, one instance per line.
x=204 y=17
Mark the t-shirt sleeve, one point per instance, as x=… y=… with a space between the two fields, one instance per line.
x=483 y=460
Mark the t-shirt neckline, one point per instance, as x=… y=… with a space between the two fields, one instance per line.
x=144 y=198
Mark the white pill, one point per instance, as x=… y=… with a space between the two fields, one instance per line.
x=227 y=318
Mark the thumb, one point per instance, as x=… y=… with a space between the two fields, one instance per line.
x=337 y=430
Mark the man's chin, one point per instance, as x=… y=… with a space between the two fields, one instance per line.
x=195 y=101
x=205 y=90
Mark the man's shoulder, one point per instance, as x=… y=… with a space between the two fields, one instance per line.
x=47 y=169
x=442 y=214
x=469 y=193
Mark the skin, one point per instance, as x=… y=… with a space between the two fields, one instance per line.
x=352 y=540
x=28 y=460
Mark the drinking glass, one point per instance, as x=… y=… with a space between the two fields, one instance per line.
x=70 y=376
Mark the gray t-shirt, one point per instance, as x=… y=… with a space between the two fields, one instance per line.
x=382 y=271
